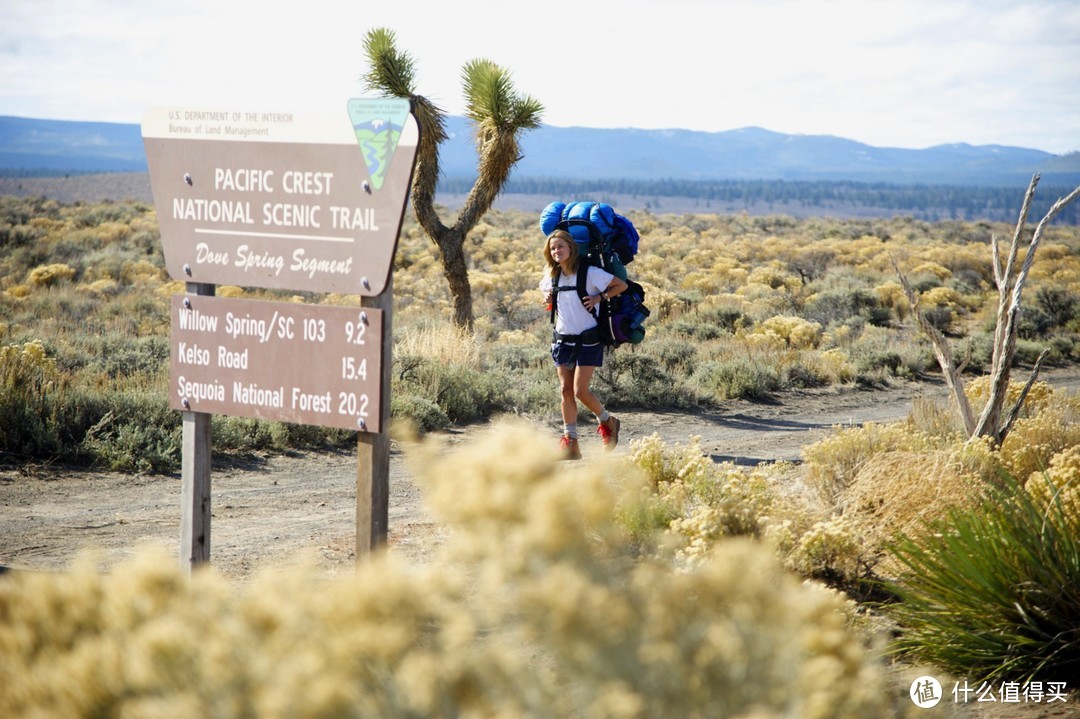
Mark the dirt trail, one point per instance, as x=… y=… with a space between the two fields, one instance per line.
x=265 y=510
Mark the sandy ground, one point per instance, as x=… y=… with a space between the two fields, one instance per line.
x=268 y=509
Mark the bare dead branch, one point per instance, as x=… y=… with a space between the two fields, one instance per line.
x=1005 y=331
x=966 y=361
x=999 y=274
x=1015 y=411
x=942 y=352
x=1021 y=222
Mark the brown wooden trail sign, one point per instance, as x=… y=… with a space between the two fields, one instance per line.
x=306 y=364
x=282 y=200
x=309 y=201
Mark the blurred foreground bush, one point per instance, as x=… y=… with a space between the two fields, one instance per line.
x=539 y=607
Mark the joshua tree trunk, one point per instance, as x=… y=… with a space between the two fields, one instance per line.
x=451 y=242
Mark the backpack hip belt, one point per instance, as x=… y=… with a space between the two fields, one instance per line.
x=588 y=337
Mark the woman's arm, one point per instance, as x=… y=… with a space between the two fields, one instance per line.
x=614 y=289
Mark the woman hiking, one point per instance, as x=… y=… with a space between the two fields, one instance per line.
x=575 y=345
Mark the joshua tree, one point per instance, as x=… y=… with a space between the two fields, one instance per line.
x=499 y=114
x=992 y=422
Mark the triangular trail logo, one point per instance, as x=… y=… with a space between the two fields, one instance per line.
x=378 y=123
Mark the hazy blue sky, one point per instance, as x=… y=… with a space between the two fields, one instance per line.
x=889 y=73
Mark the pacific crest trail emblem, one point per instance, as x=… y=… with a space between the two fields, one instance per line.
x=378 y=124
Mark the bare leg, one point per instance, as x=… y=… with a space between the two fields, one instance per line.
x=566 y=386
x=582 y=380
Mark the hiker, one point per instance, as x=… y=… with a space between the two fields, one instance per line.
x=575 y=345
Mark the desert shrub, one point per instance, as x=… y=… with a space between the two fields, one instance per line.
x=516 y=358
x=832 y=464
x=737 y=378
x=28 y=377
x=940 y=317
x=241 y=434
x=675 y=356
x=831 y=550
x=993 y=591
x=421 y=413
x=1034 y=439
x=104 y=287
x=1060 y=482
x=633 y=634
x=695 y=500
x=877 y=355
x=836 y=307
x=794 y=332
x=119 y=357
x=896 y=492
x=834 y=365
x=686 y=465
x=978 y=392
x=1058 y=304
x=709 y=323
x=139 y=433
x=462 y=393
x=633 y=377
x=935 y=418
x=48 y=275
x=734 y=505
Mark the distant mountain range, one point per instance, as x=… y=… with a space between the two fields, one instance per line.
x=38 y=147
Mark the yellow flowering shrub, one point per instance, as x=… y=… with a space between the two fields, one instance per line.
x=833 y=463
x=104 y=287
x=775 y=276
x=1034 y=440
x=835 y=364
x=669 y=465
x=1060 y=481
x=26 y=368
x=832 y=549
x=49 y=275
x=141 y=272
x=932 y=268
x=891 y=294
x=19 y=291
x=229 y=291
x=795 y=332
x=978 y=393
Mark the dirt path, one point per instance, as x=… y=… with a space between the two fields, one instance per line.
x=265 y=510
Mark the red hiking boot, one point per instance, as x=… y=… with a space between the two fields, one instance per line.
x=569 y=447
x=609 y=433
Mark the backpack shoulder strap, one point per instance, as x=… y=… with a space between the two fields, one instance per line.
x=579 y=286
x=582 y=276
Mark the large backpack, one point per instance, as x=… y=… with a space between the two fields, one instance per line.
x=608 y=240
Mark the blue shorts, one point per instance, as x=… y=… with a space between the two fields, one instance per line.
x=570 y=354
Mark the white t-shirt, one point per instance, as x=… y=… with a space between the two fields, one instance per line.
x=572 y=318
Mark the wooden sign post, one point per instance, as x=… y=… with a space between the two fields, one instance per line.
x=308 y=201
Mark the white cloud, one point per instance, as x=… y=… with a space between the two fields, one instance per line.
x=908 y=74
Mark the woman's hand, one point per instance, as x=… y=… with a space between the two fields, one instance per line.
x=591 y=302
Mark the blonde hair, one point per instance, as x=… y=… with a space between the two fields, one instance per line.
x=575 y=255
